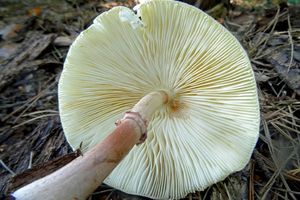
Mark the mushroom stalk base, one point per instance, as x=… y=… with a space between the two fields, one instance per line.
x=78 y=179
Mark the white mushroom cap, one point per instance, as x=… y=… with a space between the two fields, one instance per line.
x=209 y=128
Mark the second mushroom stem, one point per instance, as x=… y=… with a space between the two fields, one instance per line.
x=78 y=179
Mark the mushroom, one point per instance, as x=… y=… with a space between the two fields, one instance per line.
x=198 y=98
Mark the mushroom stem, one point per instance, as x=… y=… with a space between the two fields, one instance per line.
x=150 y=103
x=78 y=179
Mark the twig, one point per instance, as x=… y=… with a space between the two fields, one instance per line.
x=41 y=112
x=103 y=191
x=282 y=132
x=287 y=186
x=227 y=192
x=7 y=168
x=12 y=104
x=273 y=89
x=285 y=32
x=108 y=196
x=280 y=91
x=33 y=119
x=30 y=160
x=279 y=189
x=288 y=128
x=206 y=193
x=262 y=55
x=272 y=24
x=251 y=181
x=292 y=116
x=291 y=42
x=261 y=63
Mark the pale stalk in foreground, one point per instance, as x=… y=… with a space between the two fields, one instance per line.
x=78 y=179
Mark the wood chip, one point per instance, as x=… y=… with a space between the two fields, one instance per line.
x=30 y=49
x=64 y=41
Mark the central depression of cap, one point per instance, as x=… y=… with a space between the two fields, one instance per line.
x=168 y=46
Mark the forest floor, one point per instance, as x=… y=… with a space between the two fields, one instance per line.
x=34 y=39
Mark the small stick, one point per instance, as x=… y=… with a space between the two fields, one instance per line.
x=251 y=181
x=7 y=168
x=30 y=160
x=291 y=41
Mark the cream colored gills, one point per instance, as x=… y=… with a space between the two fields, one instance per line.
x=210 y=126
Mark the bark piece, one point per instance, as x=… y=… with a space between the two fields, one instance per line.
x=39 y=171
x=289 y=74
x=46 y=141
x=31 y=48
